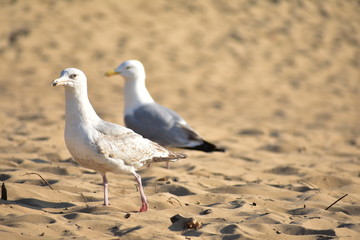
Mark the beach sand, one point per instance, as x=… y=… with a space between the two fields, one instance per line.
x=277 y=83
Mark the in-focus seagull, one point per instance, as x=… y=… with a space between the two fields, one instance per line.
x=100 y=145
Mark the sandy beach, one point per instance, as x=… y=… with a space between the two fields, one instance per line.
x=277 y=83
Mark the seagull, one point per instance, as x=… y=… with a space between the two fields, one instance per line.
x=152 y=120
x=103 y=146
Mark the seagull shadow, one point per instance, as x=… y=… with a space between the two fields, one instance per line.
x=145 y=181
x=38 y=204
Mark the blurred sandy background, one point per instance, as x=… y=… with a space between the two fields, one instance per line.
x=275 y=82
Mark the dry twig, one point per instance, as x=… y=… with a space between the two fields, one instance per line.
x=41 y=178
x=335 y=202
x=84 y=200
x=169 y=200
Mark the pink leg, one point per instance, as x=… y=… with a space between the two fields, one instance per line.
x=106 y=194
x=144 y=204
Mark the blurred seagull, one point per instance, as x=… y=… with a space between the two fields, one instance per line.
x=152 y=120
x=100 y=145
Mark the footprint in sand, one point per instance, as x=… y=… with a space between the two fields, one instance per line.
x=55 y=170
x=328 y=182
x=4 y=177
x=176 y=190
x=284 y=170
x=17 y=221
x=301 y=231
x=230 y=229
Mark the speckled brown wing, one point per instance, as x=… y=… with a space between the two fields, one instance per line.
x=117 y=142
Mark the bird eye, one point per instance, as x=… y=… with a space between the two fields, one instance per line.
x=128 y=67
x=72 y=76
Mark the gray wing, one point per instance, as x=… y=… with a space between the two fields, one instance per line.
x=117 y=142
x=162 y=125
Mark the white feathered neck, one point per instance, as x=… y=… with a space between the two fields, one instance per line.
x=136 y=93
x=78 y=108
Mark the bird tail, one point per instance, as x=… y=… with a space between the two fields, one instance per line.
x=173 y=157
x=206 y=147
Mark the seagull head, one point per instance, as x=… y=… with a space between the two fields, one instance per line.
x=70 y=77
x=130 y=70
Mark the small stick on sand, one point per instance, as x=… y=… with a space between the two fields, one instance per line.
x=3 y=192
x=335 y=202
x=41 y=178
x=87 y=206
x=169 y=200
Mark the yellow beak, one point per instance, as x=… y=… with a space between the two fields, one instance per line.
x=111 y=73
